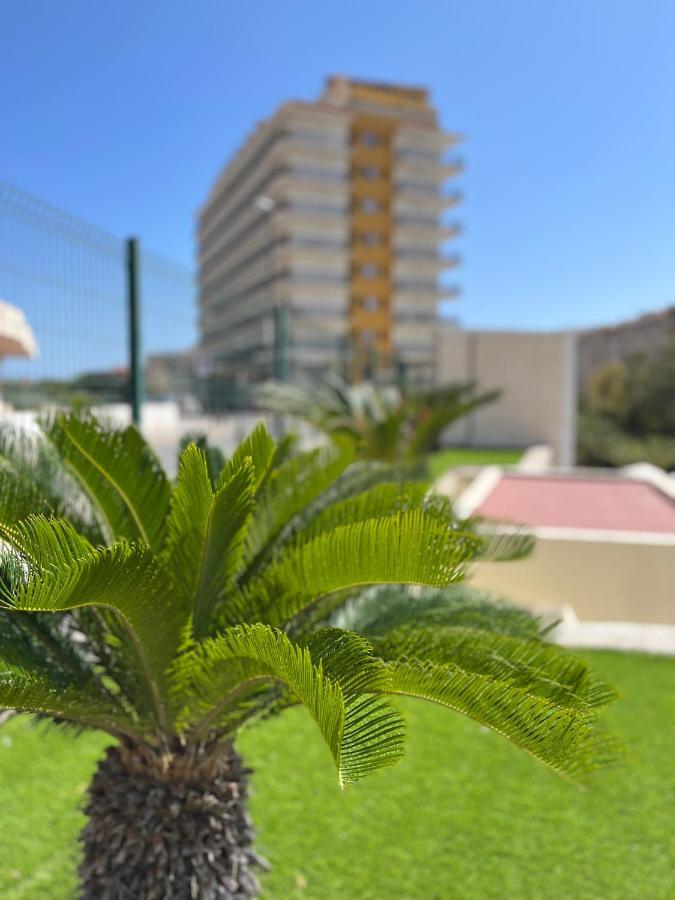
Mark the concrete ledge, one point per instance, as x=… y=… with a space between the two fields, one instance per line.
x=478 y=491
x=636 y=636
x=538 y=458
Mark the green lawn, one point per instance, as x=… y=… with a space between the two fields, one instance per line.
x=441 y=460
x=464 y=816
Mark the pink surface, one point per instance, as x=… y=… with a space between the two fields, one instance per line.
x=619 y=505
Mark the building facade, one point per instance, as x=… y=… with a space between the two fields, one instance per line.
x=320 y=244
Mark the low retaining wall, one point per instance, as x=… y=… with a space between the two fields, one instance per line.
x=615 y=576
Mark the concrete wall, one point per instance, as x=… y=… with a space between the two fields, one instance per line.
x=621 y=577
x=537 y=375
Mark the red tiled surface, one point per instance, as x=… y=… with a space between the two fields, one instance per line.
x=620 y=505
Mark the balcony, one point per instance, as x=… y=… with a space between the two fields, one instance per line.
x=454 y=198
x=450 y=260
x=453 y=168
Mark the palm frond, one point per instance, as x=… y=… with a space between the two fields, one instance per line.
x=206 y=531
x=259 y=446
x=19 y=495
x=360 y=476
x=561 y=737
x=333 y=679
x=31 y=692
x=544 y=670
x=43 y=643
x=382 y=608
x=439 y=408
x=404 y=548
x=215 y=458
x=66 y=573
x=373 y=735
x=382 y=500
x=503 y=542
x=316 y=405
x=289 y=489
x=120 y=473
x=33 y=480
x=388 y=423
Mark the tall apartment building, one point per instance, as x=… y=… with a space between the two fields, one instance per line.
x=320 y=244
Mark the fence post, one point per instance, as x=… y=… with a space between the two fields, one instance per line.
x=133 y=312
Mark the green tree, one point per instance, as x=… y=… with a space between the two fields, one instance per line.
x=392 y=424
x=606 y=392
x=628 y=411
x=172 y=615
x=651 y=393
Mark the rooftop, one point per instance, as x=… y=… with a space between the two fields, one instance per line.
x=579 y=501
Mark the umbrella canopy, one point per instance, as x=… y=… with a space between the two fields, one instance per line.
x=16 y=335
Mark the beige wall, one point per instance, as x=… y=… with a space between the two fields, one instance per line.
x=618 y=578
x=537 y=375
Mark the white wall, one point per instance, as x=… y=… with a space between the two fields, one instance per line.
x=536 y=373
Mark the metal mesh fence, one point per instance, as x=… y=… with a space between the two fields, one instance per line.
x=69 y=280
x=168 y=331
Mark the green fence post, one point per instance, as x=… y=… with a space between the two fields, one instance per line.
x=133 y=312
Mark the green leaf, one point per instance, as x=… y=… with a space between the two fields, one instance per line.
x=206 y=531
x=120 y=473
x=438 y=409
x=544 y=670
x=405 y=548
x=30 y=692
x=382 y=608
x=260 y=447
x=289 y=489
x=66 y=573
x=328 y=678
x=373 y=734
x=19 y=495
x=42 y=644
x=35 y=481
x=503 y=542
x=381 y=500
x=562 y=737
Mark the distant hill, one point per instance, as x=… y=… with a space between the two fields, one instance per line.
x=599 y=346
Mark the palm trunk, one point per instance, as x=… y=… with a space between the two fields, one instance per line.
x=169 y=827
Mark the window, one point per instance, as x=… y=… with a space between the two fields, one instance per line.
x=370 y=205
x=369 y=270
x=369 y=336
x=369 y=139
x=370 y=238
x=370 y=173
x=370 y=303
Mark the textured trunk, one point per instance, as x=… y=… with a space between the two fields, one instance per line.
x=169 y=827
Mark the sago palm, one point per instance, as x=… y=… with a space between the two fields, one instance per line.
x=389 y=423
x=172 y=615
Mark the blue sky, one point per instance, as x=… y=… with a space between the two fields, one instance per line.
x=123 y=113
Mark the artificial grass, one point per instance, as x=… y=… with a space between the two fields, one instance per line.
x=465 y=815
x=442 y=460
